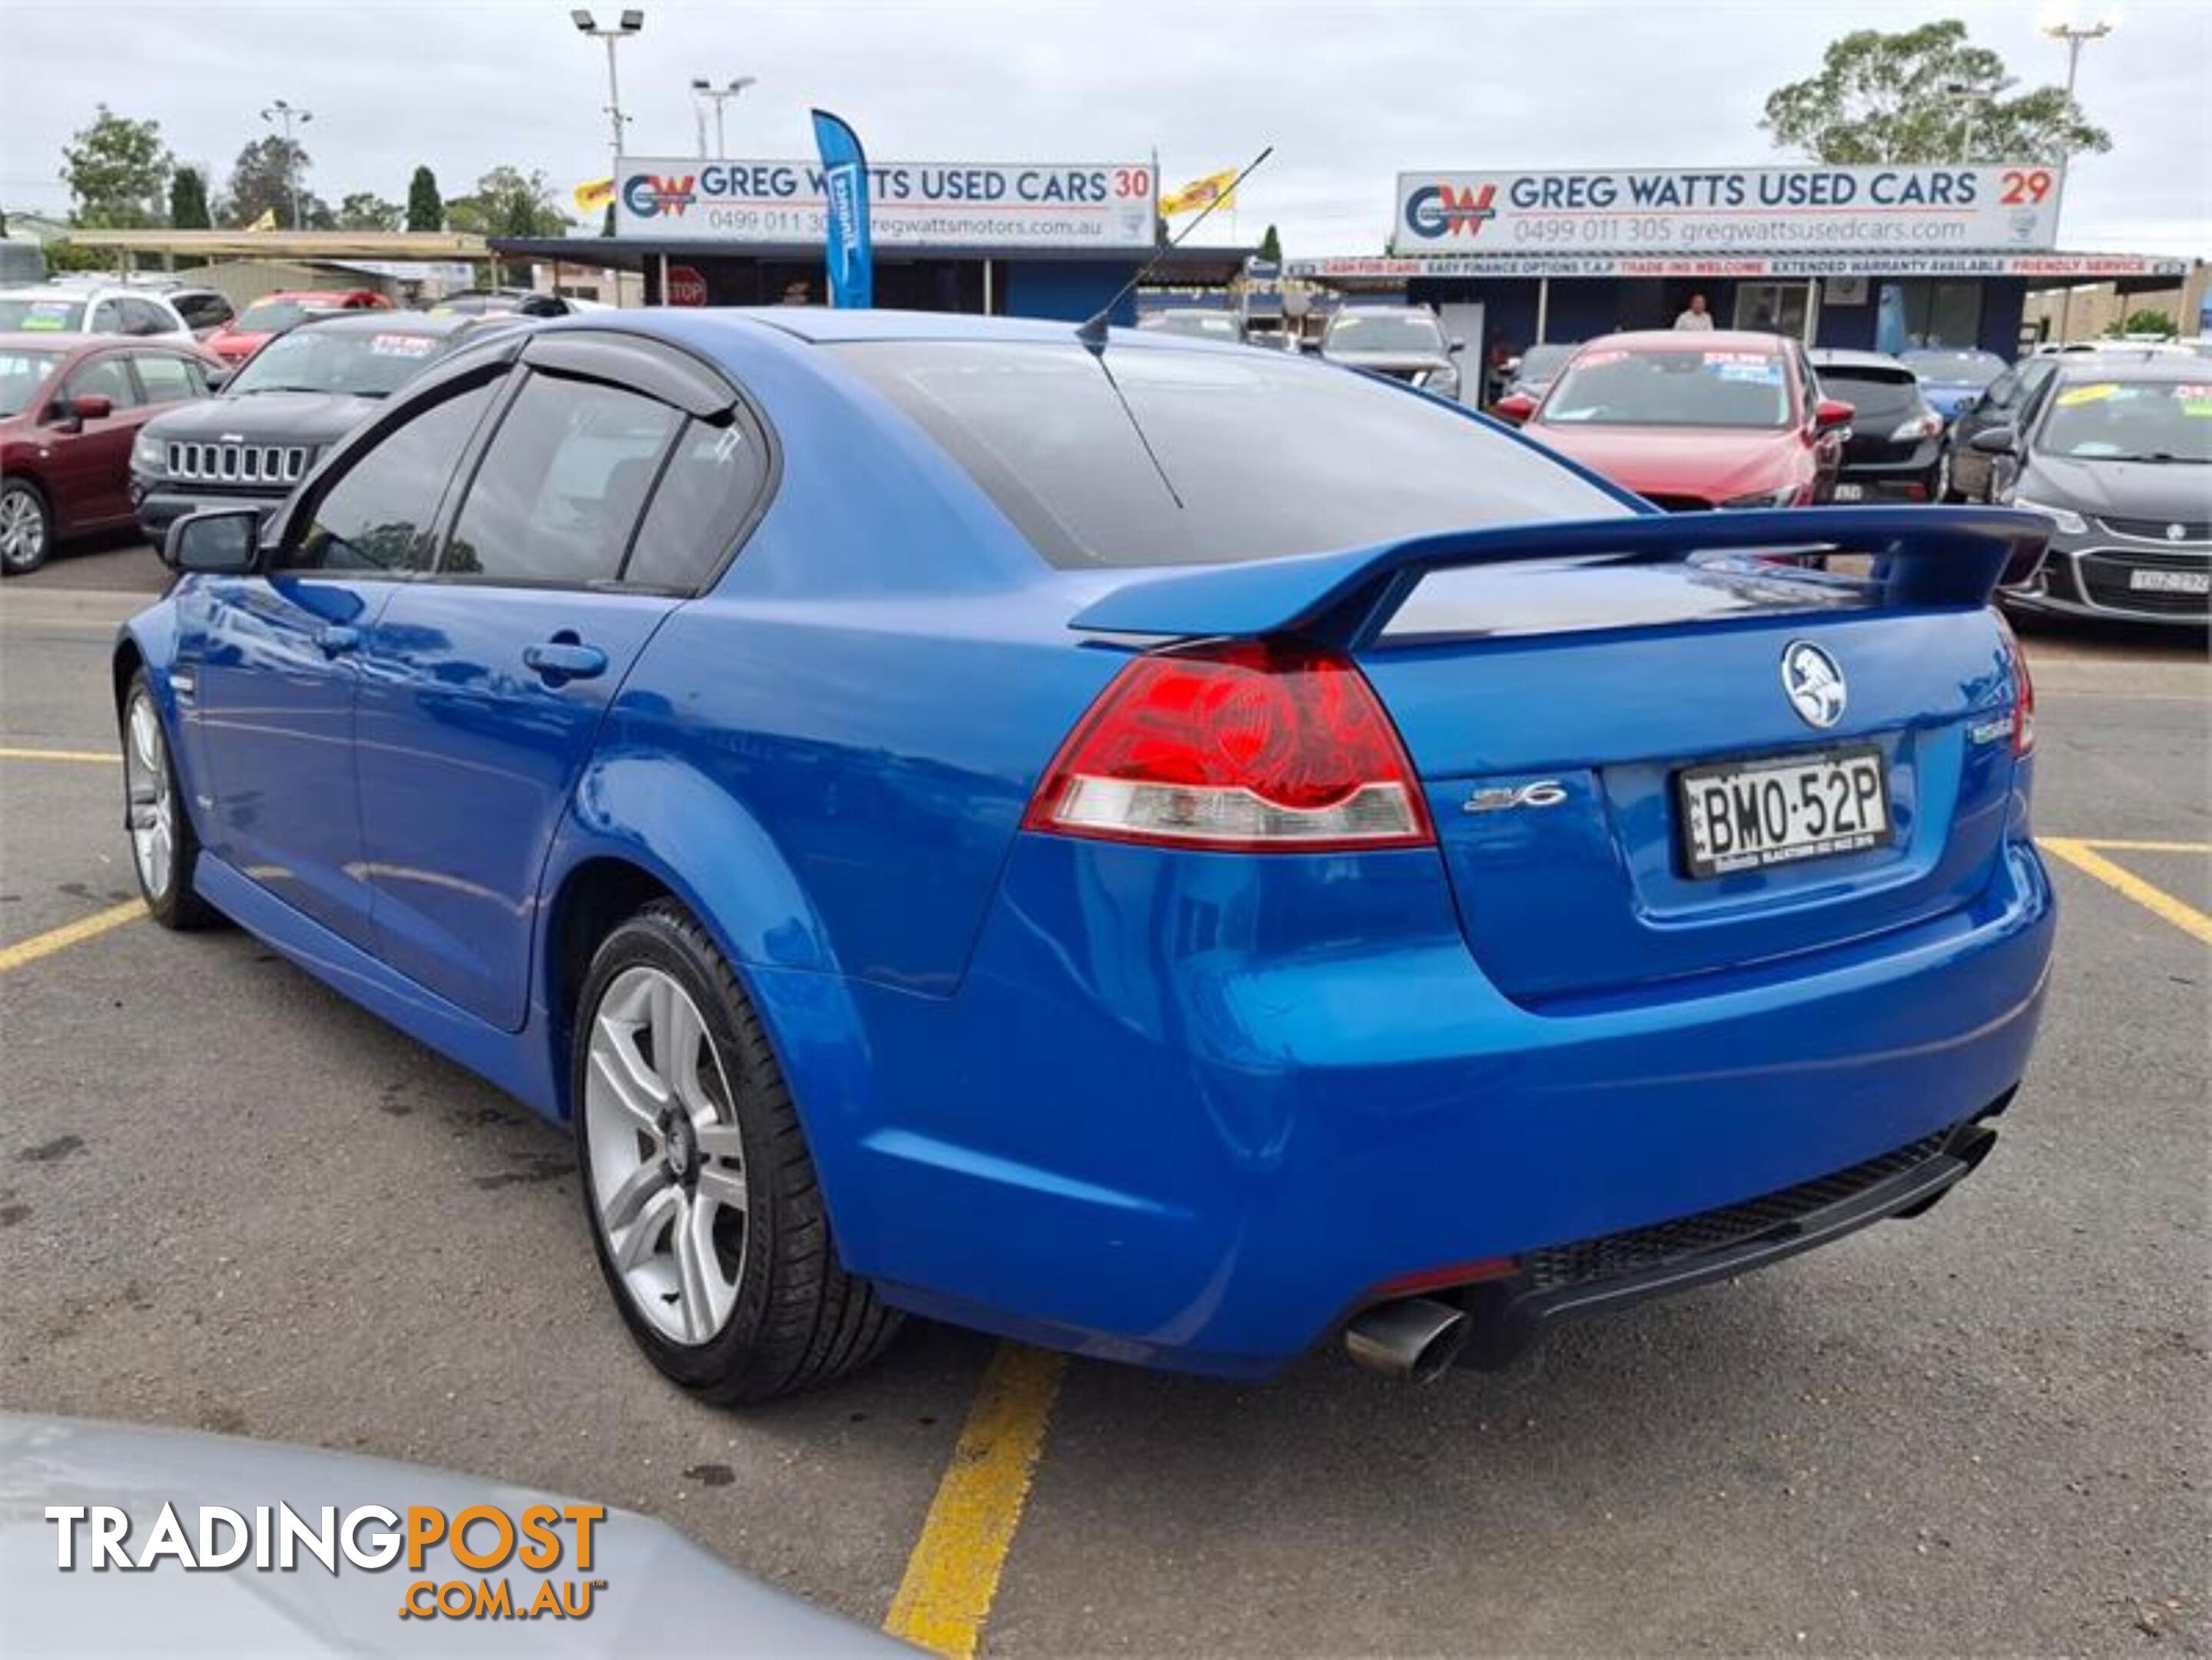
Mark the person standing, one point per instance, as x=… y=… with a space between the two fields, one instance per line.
x=1695 y=316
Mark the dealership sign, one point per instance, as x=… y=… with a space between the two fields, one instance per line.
x=1684 y=212
x=2076 y=267
x=981 y=204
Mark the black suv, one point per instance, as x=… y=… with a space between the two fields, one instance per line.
x=293 y=398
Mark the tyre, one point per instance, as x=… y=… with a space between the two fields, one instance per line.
x=165 y=849
x=26 y=528
x=704 y=1206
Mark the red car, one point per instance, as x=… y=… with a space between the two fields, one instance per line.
x=1691 y=420
x=70 y=408
x=272 y=313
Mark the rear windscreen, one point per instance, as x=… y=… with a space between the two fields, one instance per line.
x=1144 y=456
x=1873 y=394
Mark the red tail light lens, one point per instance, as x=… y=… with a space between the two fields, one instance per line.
x=1260 y=747
x=2023 y=692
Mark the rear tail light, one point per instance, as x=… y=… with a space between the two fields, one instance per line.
x=1919 y=427
x=2023 y=692
x=1260 y=747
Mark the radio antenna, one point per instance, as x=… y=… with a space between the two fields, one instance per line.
x=1092 y=333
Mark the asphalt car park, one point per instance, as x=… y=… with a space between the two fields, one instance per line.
x=233 y=1201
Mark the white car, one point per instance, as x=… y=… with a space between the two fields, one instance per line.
x=75 y=308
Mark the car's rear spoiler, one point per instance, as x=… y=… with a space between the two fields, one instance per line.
x=1924 y=556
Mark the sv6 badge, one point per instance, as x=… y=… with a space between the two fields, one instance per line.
x=1544 y=792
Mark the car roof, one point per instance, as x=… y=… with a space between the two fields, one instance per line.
x=826 y=325
x=1843 y=358
x=75 y=291
x=380 y=321
x=1690 y=340
x=701 y=329
x=330 y=295
x=2120 y=366
x=67 y=340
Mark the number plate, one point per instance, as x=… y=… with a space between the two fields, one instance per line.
x=1747 y=815
x=2171 y=581
x=1851 y=492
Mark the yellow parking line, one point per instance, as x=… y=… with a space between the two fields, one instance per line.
x=953 y=1577
x=69 y=934
x=2140 y=847
x=100 y=756
x=2085 y=858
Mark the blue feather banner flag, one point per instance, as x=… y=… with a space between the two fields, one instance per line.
x=845 y=185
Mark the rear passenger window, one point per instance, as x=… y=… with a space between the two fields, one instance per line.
x=710 y=485
x=144 y=317
x=377 y=516
x=561 y=486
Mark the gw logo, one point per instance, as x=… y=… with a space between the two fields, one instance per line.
x=648 y=195
x=1437 y=210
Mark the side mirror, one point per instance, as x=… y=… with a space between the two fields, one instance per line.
x=75 y=411
x=1515 y=406
x=218 y=379
x=1830 y=414
x=1995 y=440
x=1454 y=347
x=221 y=541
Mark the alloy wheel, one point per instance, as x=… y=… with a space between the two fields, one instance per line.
x=22 y=531
x=152 y=806
x=667 y=1158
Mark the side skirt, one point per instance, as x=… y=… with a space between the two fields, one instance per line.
x=515 y=1061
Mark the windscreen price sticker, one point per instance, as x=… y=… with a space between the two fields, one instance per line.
x=483 y=1562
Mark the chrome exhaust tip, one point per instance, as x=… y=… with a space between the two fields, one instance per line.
x=1416 y=1339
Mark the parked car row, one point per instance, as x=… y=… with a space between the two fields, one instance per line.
x=2110 y=444
x=97 y=431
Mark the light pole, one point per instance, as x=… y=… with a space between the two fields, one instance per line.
x=280 y=112
x=2075 y=34
x=1969 y=96
x=628 y=24
x=721 y=95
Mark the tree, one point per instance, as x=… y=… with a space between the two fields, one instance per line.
x=426 y=209
x=116 y=169
x=262 y=181
x=508 y=202
x=366 y=211
x=2143 y=320
x=1909 y=100
x=188 y=203
x=1271 y=247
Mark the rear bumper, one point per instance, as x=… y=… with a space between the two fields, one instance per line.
x=1509 y=1315
x=1910 y=477
x=1154 y=1126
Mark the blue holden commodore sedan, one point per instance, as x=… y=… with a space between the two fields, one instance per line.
x=1173 y=852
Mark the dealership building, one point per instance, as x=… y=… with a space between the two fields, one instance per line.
x=1051 y=240
x=1882 y=258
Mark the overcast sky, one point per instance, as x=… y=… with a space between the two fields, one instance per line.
x=1348 y=92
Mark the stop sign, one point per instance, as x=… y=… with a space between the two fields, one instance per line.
x=686 y=287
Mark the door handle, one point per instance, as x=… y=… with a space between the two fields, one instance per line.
x=338 y=639
x=565 y=658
